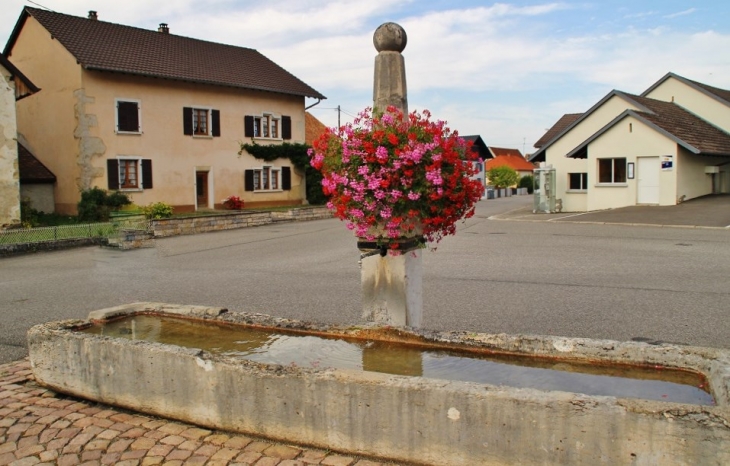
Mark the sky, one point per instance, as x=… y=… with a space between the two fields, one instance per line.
x=504 y=71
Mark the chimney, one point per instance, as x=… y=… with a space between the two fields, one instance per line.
x=92 y=15
x=163 y=28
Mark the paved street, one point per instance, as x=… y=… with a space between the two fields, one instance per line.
x=584 y=280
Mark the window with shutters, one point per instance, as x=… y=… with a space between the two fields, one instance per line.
x=129 y=173
x=200 y=121
x=266 y=179
x=267 y=126
x=128 y=116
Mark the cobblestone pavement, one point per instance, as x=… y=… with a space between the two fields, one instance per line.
x=41 y=427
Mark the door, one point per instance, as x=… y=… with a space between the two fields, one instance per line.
x=201 y=186
x=647 y=173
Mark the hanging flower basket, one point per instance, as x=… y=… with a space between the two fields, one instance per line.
x=393 y=177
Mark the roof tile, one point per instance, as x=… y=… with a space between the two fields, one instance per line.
x=104 y=46
x=31 y=169
x=693 y=130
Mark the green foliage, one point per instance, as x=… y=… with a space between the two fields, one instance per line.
x=29 y=217
x=502 y=176
x=528 y=182
x=297 y=154
x=157 y=210
x=96 y=203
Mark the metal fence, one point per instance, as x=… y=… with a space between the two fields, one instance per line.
x=67 y=232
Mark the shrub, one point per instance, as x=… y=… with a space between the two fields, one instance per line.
x=96 y=203
x=29 y=217
x=233 y=203
x=157 y=210
x=528 y=182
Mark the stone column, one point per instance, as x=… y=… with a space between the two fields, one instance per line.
x=391 y=285
x=390 y=68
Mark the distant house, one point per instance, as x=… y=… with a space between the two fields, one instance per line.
x=669 y=144
x=36 y=181
x=14 y=86
x=155 y=115
x=480 y=148
x=313 y=128
x=512 y=158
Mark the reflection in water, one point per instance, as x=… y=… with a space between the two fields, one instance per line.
x=293 y=349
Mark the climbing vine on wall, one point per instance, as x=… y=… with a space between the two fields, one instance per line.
x=297 y=154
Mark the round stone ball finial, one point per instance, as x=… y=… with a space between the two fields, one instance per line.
x=390 y=37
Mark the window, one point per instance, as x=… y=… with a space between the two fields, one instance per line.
x=268 y=178
x=128 y=116
x=129 y=173
x=577 y=181
x=612 y=170
x=267 y=126
x=198 y=121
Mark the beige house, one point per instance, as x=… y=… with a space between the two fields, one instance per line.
x=13 y=86
x=153 y=114
x=667 y=145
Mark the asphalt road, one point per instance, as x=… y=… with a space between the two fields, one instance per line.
x=581 y=280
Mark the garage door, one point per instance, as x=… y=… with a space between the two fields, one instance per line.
x=647 y=174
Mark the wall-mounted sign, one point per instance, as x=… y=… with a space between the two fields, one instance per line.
x=667 y=162
x=630 y=170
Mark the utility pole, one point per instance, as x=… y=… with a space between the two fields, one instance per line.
x=338 y=117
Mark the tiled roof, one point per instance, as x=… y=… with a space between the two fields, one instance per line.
x=564 y=121
x=31 y=169
x=721 y=93
x=688 y=128
x=498 y=151
x=516 y=162
x=313 y=128
x=717 y=93
x=104 y=46
x=685 y=128
x=477 y=143
x=24 y=87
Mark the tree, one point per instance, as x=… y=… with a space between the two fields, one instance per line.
x=502 y=176
x=528 y=182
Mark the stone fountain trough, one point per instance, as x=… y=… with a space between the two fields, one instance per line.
x=409 y=418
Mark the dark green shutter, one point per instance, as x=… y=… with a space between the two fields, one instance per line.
x=248 y=126
x=286 y=127
x=112 y=173
x=188 y=121
x=216 y=115
x=248 y=180
x=286 y=178
x=146 y=174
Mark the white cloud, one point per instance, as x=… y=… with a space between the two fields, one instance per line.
x=681 y=13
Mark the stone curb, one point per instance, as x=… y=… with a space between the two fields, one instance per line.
x=41 y=427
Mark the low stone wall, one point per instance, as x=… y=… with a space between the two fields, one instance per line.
x=302 y=214
x=165 y=227
x=229 y=221
x=404 y=419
